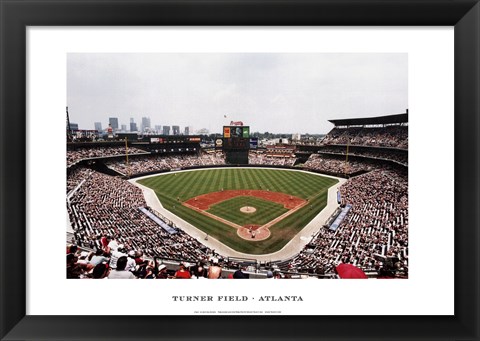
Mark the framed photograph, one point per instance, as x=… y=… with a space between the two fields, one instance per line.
x=263 y=139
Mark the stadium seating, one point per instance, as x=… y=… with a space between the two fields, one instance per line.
x=158 y=163
x=390 y=136
x=376 y=225
x=106 y=205
x=74 y=156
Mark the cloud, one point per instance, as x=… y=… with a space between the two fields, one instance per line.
x=274 y=92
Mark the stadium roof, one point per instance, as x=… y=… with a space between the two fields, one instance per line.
x=389 y=119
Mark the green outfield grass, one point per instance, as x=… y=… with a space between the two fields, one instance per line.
x=172 y=188
x=230 y=210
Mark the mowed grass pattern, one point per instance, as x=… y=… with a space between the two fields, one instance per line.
x=172 y=188
x=230 y=210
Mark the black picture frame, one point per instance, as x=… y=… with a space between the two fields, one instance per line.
x=17 y=15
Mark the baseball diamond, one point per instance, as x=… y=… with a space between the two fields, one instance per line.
x=211 y=200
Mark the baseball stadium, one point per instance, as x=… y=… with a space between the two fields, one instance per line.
x=181 y=206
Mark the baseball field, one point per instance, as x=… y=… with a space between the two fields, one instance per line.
x=251 y=210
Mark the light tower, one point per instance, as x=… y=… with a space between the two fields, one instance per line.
x=69 y=130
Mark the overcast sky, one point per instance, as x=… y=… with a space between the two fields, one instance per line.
x=279 y=93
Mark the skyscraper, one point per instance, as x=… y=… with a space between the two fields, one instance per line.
x=124 y=127
x=133 y=125
x=145 y=123
x=176 y=130
x=187 y=131
x=113 y=121
x=166 y=130
x=158 y=129
x=98 y=126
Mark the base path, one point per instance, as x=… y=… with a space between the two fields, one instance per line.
x=292 y=248
x=229 y=223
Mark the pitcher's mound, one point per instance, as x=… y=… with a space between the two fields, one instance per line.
x=248 y=209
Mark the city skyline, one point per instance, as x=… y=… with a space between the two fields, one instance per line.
x=131 y=126
x=263 y=90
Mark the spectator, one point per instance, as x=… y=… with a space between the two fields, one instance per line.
x=101 y=271
x=131 y=264
x=74 y=269
x=199 y=272
x=105 y=240
x=113 y=245
x=82 y=258
x=72 y=248
x=99 y=258
x=116 y=255
x=239 y=274
x=182 y=272
x=150 y=271
x=162 y=272
x=141 y=269
x=138 y=257
x=120 y=272
x=214 y=271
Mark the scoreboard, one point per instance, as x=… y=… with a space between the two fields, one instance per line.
x=236 y=132
x=235 y=143
x=236 y=138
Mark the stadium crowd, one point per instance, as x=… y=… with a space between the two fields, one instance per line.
x=74 y=156
x=113 y=261
x=262 y=159
x=75 y=176
x=109 y=206
x=159 y=163
x=377 y=224
x=332 y=164
x=371 y=153
x=389 y=136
